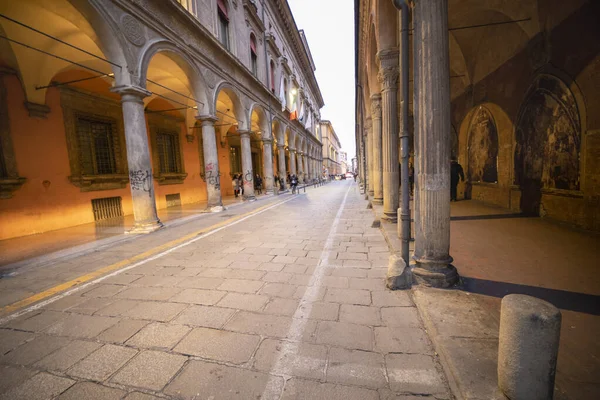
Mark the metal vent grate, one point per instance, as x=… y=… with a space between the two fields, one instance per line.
x=173 y=200
x=107 y=208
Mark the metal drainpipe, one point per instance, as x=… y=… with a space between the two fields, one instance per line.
x=402 y=5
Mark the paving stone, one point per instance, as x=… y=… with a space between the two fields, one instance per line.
x=319 y=310
x=122 y=279
x=307 y=261
x=350 y=273
x=386 y=394
x=259 y=324
x=257 y=250
x=156 y=311
x=150 y=370
x=244 y=274
x=284 y=259
x=277 y=277
x=266 y=257
x=117 y=308
x=315 y=296
x=159 y=335
x=405 y=317
x=295 y=269
x=314 y=254
x=300 y=389
x=159 y=281
x=206 y=316
x=34 y=350
x=123 y=330
x=271 y=267
x=377 y=272
x=102 y=363
x=241 y=301
x=236 y=348
x=65 y=303
x=274 y=245
x=361 y=315
x=253 y=265
x=10 y=339
x=42 y=386
x=295 y=246
x=278 y=290
x=91 y=306
x=402 y=340
x=11 y=376
x=378 y=256
x=213 y=381
x=201 y=283
x=168 y=270
x=343 y=334
x=291 y=358
x=37 y=322
x=83 y=326
x=103 y=290
x=297 y=253
x=281 y=306
x=65 y=357
x=213 y=272
x=198 y=296
x=141 y=396
x=414 y=373
x=241 y=285
x=348 y=296
x=352 y=256
x=392 y=298
x=300 y=280
x=356 y=367
x=90 y=390
x=335 y=282
x=148 y=293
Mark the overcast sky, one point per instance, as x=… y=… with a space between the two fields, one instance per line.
x=329 y=29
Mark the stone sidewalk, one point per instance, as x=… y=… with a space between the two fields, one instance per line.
x=288 y=304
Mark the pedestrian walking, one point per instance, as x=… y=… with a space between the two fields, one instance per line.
x=456 y=172
x=235 y=185
x=258 y=184
x=294 y=183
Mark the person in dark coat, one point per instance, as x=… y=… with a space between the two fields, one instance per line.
x=456 y=172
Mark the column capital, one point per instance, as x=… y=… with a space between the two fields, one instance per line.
x=243 y=133
x=389 y=68
x=207 y=119
x=281 y=146
x=267 y=140
x=131 y=93
x=376 y=106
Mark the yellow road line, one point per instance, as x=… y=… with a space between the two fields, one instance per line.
x=113 y=267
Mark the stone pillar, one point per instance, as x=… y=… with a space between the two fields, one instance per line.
x=432 y=145
x=282 y=171
x=138 y=159
x=377 y=156
x=268 y=165
x=293 y=161
x=388 y=76
x=247 y=172
x=369 y=138
x=307 y=162
x=211 y=163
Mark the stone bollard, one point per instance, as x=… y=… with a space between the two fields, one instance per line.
x=398 y=274
x=528 y=348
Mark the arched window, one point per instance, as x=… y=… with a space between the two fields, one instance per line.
x=285 y=92
x=272 y=72
x=253 y=54
x=223 y=23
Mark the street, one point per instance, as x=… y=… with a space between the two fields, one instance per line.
x=284 y=299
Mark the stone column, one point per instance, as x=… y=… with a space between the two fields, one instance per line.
x=211 y=163
x=292 y=161
x=388 y=76
x=369 y=132
x=247 y=172
x=282 y=171
x=432 y=145
x=138 y=159
x=377 y=156
x=268 y=165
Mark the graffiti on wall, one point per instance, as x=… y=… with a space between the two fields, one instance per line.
x=483 y=147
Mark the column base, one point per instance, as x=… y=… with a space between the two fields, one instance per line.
x=390 y=217
x=216 y=209
x=145 y=228
x=249 y=198
x=377 y=201
x=371 y=193
x=444 y=277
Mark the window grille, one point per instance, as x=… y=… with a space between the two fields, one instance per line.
x=107 y=208
x=173 y=200
x=96 y=146
x=168 y=151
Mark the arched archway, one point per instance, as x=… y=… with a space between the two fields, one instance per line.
x=483 y=147
x=548 y=141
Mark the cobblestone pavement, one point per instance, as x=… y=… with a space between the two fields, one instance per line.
x=287 y=304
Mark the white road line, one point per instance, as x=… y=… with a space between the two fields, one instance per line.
x=289 y=350
x=137 y=264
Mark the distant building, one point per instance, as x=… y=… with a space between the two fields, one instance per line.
x=331 y=149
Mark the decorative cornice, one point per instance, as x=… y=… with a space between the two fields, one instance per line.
x=251 y=13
